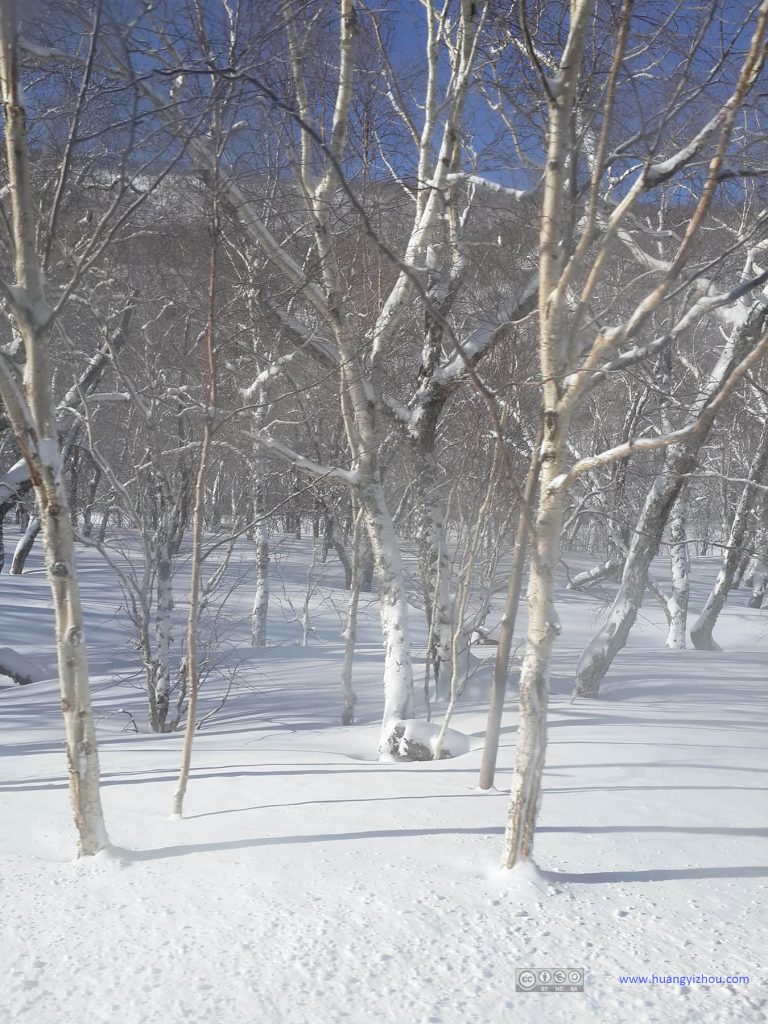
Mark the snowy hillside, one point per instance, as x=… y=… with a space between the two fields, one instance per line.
x=308 y=882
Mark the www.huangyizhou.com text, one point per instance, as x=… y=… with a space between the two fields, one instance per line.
x=683 y=979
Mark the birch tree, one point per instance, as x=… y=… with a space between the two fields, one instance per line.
x=572 y=263
x=31 y=409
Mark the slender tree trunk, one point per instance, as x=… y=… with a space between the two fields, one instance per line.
x=193 y=677
x=553 y=361
x=434 y=566
x=104 y=523
x=82 y=753
x=163 y=612
x=743 y=564
x=748 y=580
x=260 y=611
x=534 y=678
x=348 y=696
x=758 y=572
x=758 y=593
x=73 y=465
x=507 y=631
x=304 y=619
x=198 y=519
x=24 y=547
x=679 y=563
x=89 y=504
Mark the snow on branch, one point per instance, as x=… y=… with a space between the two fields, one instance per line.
x=484 y=335
x=662 y=171
x=271 y=444
x=12 y=481
x=489 y=186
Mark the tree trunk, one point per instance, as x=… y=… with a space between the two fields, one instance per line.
x=644 y=546
x=758 y=594
x=742 y=564
x=82 y=754
x=260 y=611
x=435 y=570
x=677 y=606
x=506 y=633
x=163 y=611
x=534 y=678
x=93 y=488
x=33 y=418
x=553 y=360
x=393 y=611
x=348 y=696
x=198 y=519
x=24 y=546
x=103 y=524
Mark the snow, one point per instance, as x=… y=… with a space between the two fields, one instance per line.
x=10 y=481
x=489 y=186
x=309 y=882
x=416 y=730
x=13 y=664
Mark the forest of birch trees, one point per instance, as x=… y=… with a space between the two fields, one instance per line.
x=451 y=287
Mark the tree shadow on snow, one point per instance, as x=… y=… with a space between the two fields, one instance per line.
x=554 y=877
x=655 y=875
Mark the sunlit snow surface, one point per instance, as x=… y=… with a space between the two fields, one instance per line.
x=309 y=883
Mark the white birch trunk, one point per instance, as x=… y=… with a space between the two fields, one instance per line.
x=677 y=606
x=758 y=593
x=82 y=754
x=393 y=612
x=748 y=580
x=24 y=546
x=260 y=610
x=163 y=611
x=33 y=420
x=506 y=632
x=534 y=678
x=348 y=696
x=759 y=581
x=304 y=618
x=436 y=582
x=198 y=517
x=553 y=356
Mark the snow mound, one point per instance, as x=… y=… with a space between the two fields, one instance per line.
x=20 y=667
x=524 y=878
x=416 y=740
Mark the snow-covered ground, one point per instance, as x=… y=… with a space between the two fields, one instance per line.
x=309 y=883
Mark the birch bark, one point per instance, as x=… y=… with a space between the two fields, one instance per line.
x=33 y=417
